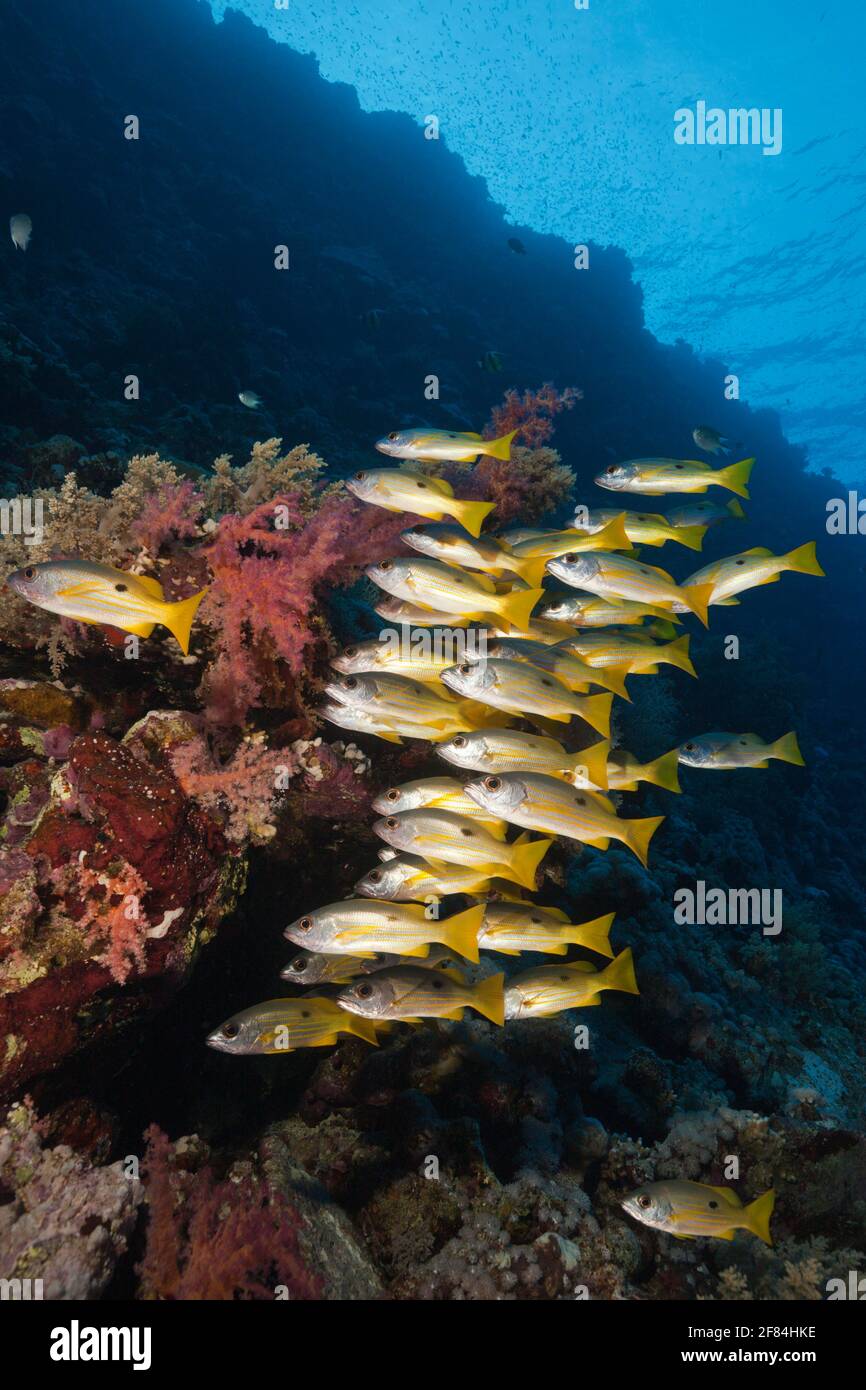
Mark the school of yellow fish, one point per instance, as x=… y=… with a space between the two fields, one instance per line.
x=526 y=656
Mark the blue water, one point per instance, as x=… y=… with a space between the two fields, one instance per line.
x=569 y=116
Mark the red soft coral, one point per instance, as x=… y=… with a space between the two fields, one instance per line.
x=172 y=513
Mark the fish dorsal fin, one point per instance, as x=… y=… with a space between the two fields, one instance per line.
x=556 y=912
x=584 y=966
x=728 y=1194
x=153 y=586
x=471 y=434
x=757 y=550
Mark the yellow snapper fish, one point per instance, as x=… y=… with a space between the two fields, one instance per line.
x=635 y=653
x=368 y=926
x=446 y=792
x=407 y=878
x=406 y=490
x=510 y=750
x=393 y=729
x=101 y=595
x=725 y=752
x=454 y=547
x=518 y=688
x=619 y=576
x=538 y=630
x=512 y=927
x=397 y=610
x=282 y=1025
x=407 y=994
x=751 y=568
x=538 y=802
x=653 y=477
x=545 y=544
x=590 y=610
x=317 y=968
x=559 y=661
x=551 y=989
x=641 y=528
x=452 y=590
x=383 y=695
x=445 y=445
x=624 y=772
x=416 y=660
x=689 y=1209
x=441 y=837
x=706 y=513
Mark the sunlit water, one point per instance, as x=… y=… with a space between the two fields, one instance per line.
x=569 y=116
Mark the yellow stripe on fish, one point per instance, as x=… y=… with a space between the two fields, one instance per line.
x=366 y=926
x=407 y=490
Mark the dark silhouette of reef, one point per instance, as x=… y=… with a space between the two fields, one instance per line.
x=155 y=258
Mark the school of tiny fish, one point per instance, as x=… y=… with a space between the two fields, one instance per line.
x=552 y=662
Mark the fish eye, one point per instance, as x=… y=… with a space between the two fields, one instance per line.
x=359 y=477
x=493 y=783
x=459 y=741
x=464 y=669
x=611 y=469
x=299 y=965
x=364 y=991
x=392 y=436
x=644 y=1201
x=351 y=651
x=570 y=557
x=689 y=747
x=305 y=924
x=386 y=564
x=230 y=1030
x=393 y=794
x=375 y=875
x=391 y=823
x=350 y=682
x=30 y=572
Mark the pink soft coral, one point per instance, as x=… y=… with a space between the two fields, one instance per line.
x=172 y=513
x=269 y=568
x=113 y=916
x=242 y=790
x=531 y=414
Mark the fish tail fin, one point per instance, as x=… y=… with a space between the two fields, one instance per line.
x=662 y=772
x=499 y=448
x=360 y=1028
x=697 y=599
x=178 y=618
x=677 y=654
x=620 y=974
x=594 y=759
x=691 y=536
x=526 y=858
x=472 y=515
x=532 y=571
x=488 y=999
x=787 y=750
x=595 y=711
x=613 y=535
x=594 y=935
x=460 y=932
x=516 y=608
x=804 y=560
x=613 y=678
x=735 y=476
x=640 y=832
x=758 y=1215
x=736 y=509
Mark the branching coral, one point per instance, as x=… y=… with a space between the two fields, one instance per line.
x=531 y=414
